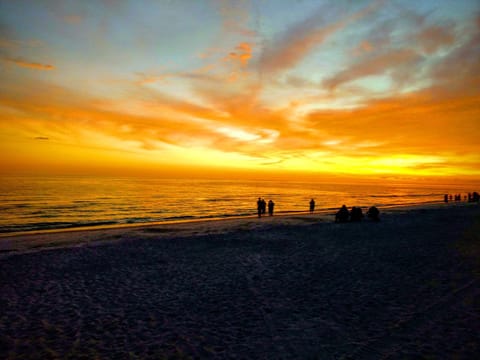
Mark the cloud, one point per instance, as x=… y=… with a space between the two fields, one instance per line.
x=235 y=16
x=237 y=61
x=277 y=122
x=409 y=129
x=459 y=68
x=30 y=65
x=376 y=64
x=432 y=38
x=423 y=123
x=69 y=118
x=144 y=78
x=242 y=54
x=405 y=50
x=364 y=47
x=298 y=41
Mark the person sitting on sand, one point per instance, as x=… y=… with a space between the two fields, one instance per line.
x=271 y=204
x=356 y=214
x=373 y=213
x=342 y=214
x=475 y=197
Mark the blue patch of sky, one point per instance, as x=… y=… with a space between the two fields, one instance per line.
x=375 y=83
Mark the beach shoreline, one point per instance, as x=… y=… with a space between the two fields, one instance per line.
x=20 y=242
x=277 y=287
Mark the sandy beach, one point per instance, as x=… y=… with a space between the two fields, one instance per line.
x=289 y=287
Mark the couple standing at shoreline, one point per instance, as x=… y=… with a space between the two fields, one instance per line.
x=262 y=207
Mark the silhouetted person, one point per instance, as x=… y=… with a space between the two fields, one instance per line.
x=374 y=214
x=259 y=207
x=312 y=205
x=271 y=205
x=264 y=206
x=475 y=197
x=342 y=214
x=445 y=198
x=356 y=214
x=450 y=197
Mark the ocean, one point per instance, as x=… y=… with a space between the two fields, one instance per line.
x=41 y=203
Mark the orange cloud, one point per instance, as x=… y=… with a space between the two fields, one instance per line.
x=423 y=123
x=242 y=54
x=30 y=65
x=417 y=133
x=149 y=79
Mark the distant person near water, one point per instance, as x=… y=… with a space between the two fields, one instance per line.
x=271 y=205
x=312 y=205
x=264 y=206
x=261 y=207
x=475 y=197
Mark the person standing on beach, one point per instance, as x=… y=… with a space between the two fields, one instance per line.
x=259 y=207
x=271 y=204
x=312 y=205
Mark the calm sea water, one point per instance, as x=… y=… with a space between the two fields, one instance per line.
x=28 y=203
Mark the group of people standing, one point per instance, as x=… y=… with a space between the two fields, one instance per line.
x=471 y=197
x=262 y=207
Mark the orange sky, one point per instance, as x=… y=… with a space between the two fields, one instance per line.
x=379 y=89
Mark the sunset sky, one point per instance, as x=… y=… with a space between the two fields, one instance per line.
x=374 y=88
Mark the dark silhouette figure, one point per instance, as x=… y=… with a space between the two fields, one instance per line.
x=264 y=206
x=445 y=198
x=271 y=205
x=259 y=207
x=356 y=214
x=373 y=213
x=475 y=197
x=312 y=205
x=342 y=214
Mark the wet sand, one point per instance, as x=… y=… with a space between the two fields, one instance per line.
x=297 y=286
